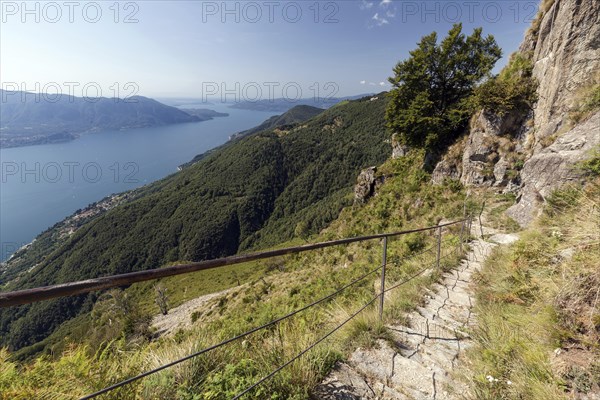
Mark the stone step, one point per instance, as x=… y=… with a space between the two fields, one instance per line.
x=344 y=383
x=385 y=365
x=418 y=363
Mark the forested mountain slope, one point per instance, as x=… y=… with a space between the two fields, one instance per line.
x=252 y=192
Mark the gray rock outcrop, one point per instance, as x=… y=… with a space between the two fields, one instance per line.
x=398 y=149
x=554 y=167
x=445 y=169
x=365 y=185
x=565 y=46
x=485 y=160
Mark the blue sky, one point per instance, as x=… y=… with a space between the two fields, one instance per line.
x=191 y=48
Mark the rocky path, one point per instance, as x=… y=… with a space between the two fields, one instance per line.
x=417 y=364
x=180 y=317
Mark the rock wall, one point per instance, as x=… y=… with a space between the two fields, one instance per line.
x=554 y=166
x=565 y=48
x=564 y=43
x=536 y=154
x=490 y=155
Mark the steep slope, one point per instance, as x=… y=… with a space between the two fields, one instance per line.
x=405 y=200
x=537 y=304
x=28 y=118
x=294 y=115
x=252 y=192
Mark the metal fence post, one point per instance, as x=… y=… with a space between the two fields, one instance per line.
x=480 y=224
x=384 y=263
x=460 y=240
x=469 y=226
x=439 y=246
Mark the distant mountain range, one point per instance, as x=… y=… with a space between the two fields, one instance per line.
x=28 y=118
x=204 y=113
x=283 y=104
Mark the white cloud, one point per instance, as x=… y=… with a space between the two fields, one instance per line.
x=363 y=82
x=371 y=83
x=387 y=11
x=379 y=20
x=381 y=83
x=390 y=9
x=365 y=5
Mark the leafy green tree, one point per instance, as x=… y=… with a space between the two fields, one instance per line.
x=429 y=104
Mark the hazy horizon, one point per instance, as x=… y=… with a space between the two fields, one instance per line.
x=244 y=50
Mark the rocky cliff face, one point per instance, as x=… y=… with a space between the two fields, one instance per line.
x=564 y=43
x=533 y=154
x=554 y=166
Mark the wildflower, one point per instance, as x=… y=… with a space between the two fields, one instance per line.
x=509 y=383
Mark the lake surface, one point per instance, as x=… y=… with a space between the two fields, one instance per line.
x=41 y=185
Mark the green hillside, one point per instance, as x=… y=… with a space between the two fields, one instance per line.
x=103 y=353
x=251 y=193
x=294 y=115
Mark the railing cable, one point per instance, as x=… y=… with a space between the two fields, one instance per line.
x=273 y=373
x=223 y=343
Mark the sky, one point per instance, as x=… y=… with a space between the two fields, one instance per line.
x=231 y=50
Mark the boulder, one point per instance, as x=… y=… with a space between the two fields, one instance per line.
x=398 y=149
x=365 y=185
x=500 y=172
x=445 y=169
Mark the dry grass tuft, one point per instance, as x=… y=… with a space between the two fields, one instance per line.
x=539 y=307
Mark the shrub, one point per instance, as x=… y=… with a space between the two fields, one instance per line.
x=592 y=165
x=588 y=101
x=513 y=89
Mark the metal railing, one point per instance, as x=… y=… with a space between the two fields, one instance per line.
x=67 y=289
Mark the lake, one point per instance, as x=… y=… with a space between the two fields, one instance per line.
x=41 y=185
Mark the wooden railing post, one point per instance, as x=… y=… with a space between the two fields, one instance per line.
x=439 y=246
x=384 y=263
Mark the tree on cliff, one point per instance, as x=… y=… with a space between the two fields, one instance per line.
x=429 y=103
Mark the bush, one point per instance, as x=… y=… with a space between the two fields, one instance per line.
x=592 y=165
x=588 y=101
x=513 y=89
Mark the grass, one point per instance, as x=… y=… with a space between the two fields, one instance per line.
x=268 y=290
x=538 y=308
x=496 y=216
x=587 y=101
